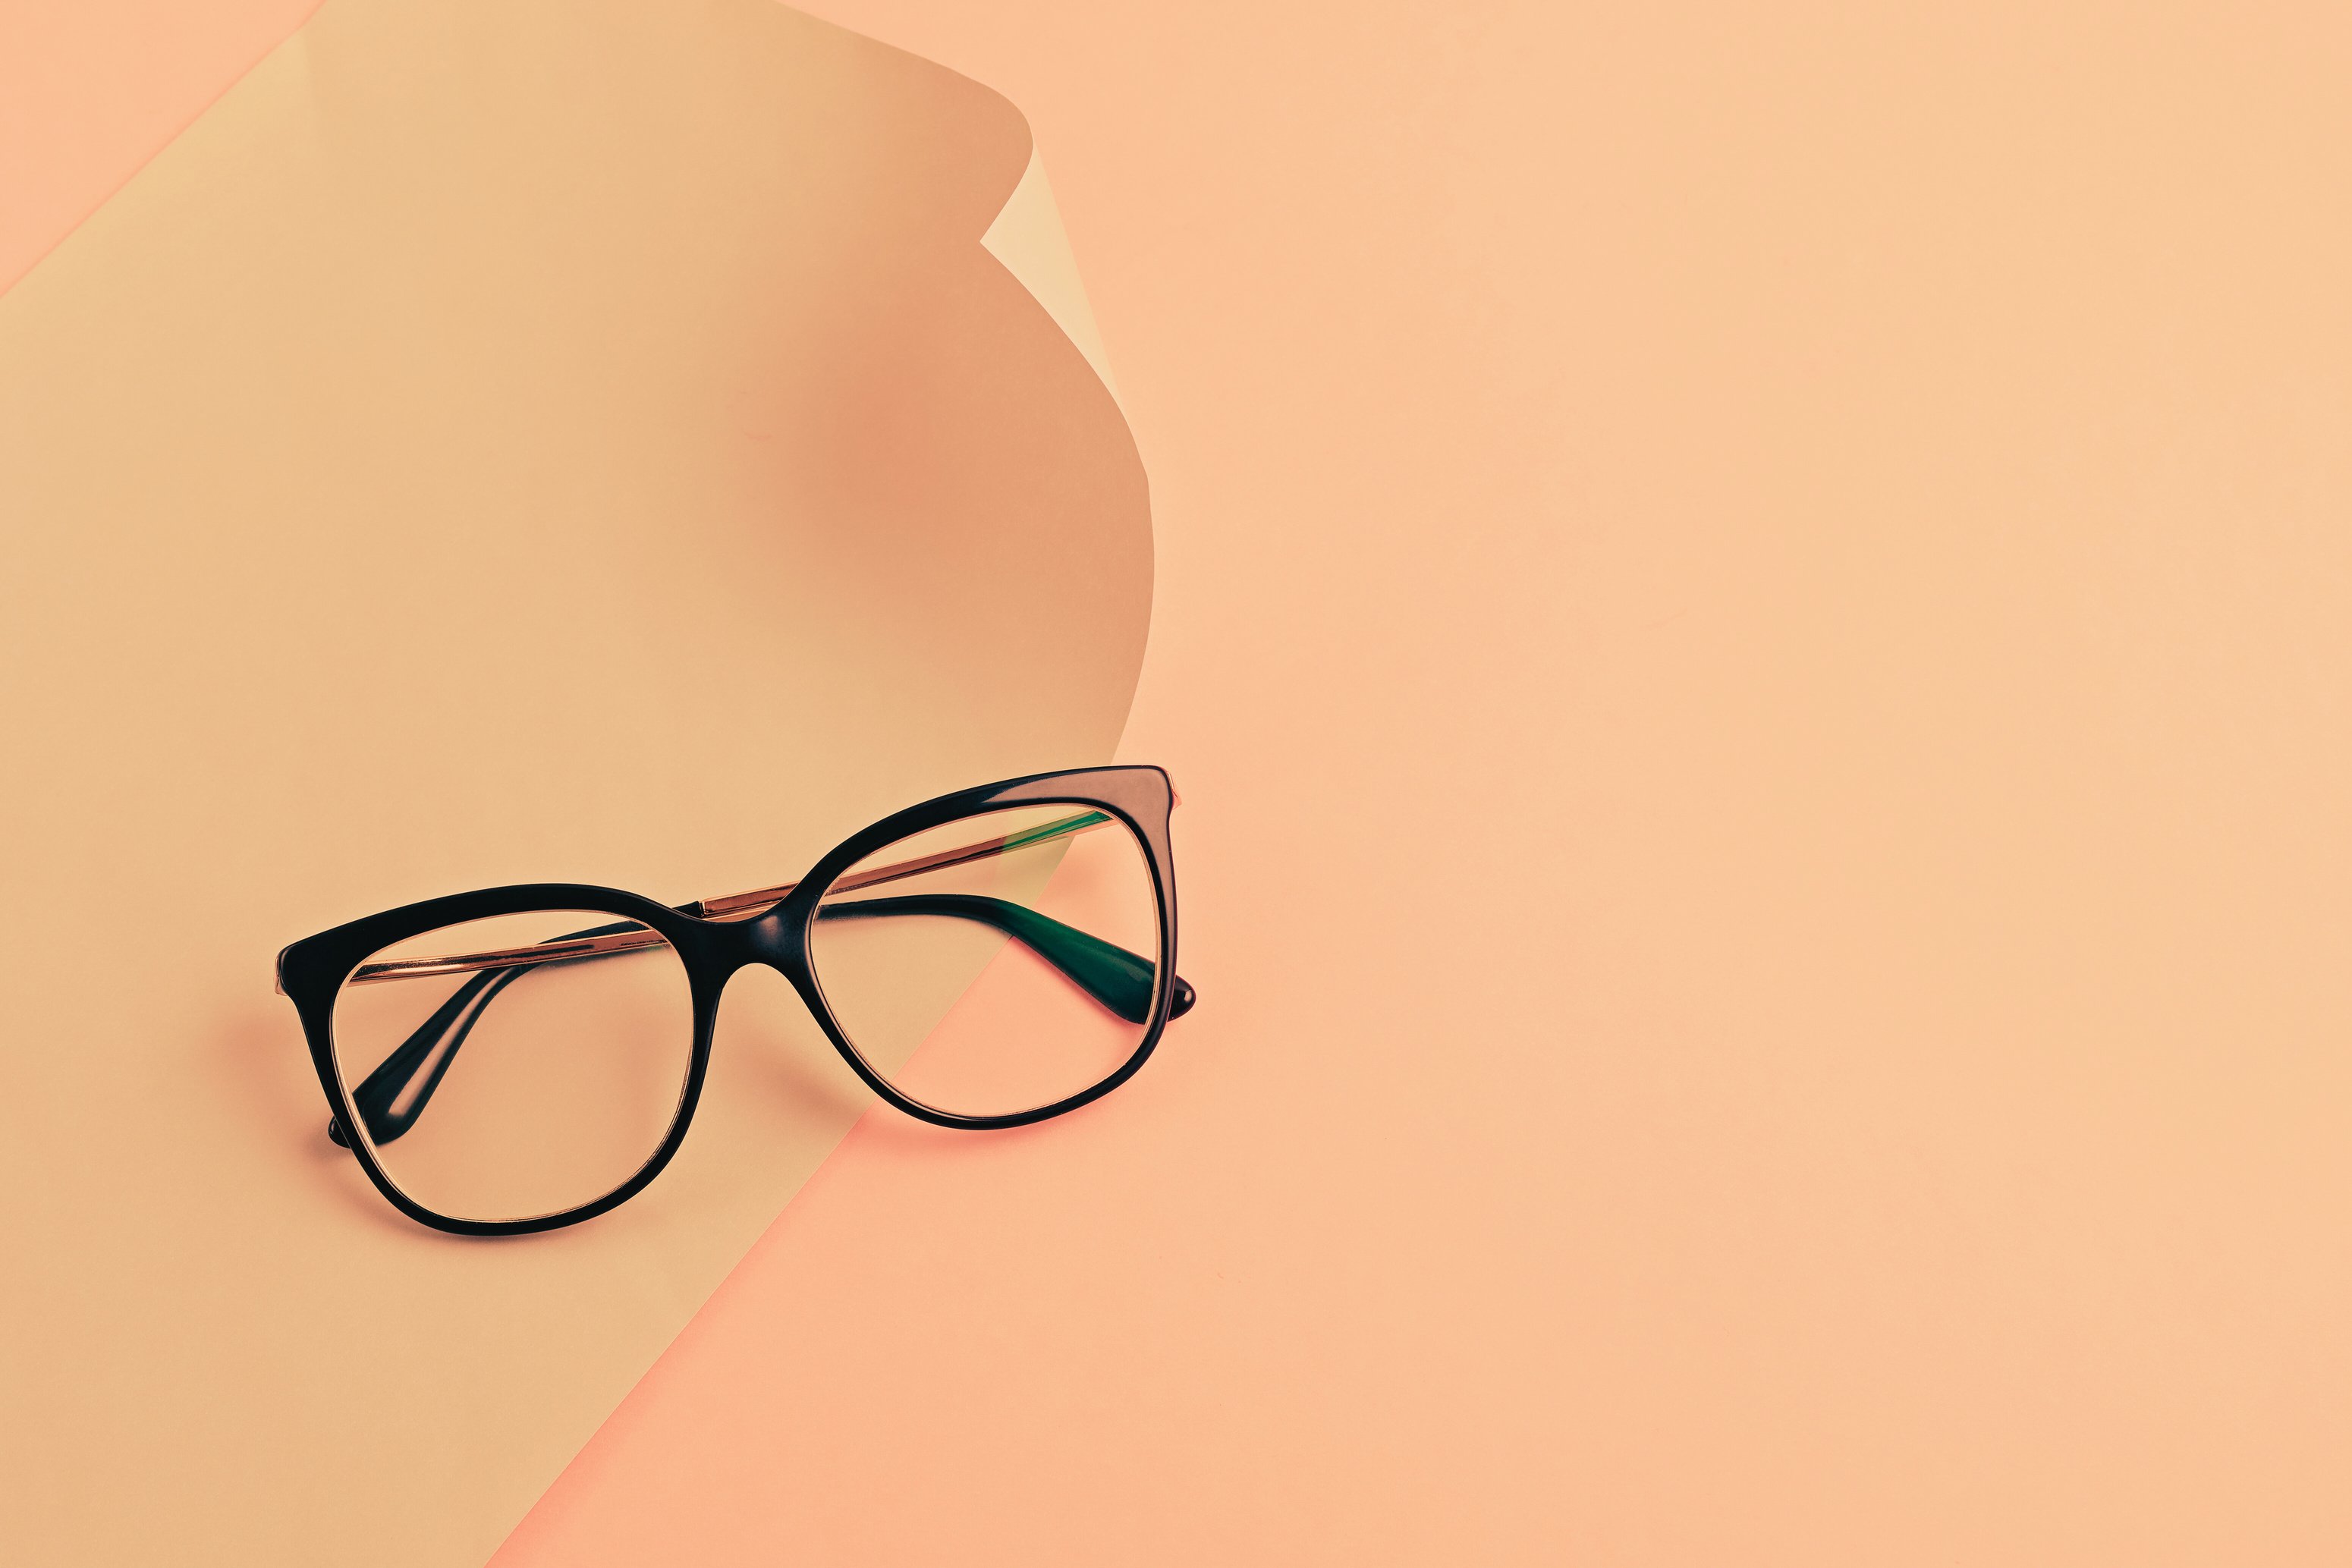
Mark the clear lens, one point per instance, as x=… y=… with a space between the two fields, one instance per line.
x=999 y=964
x=491 y=1087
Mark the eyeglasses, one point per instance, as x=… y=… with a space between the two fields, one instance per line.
x=986 y=959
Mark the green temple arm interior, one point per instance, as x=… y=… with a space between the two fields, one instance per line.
x=1114 y=976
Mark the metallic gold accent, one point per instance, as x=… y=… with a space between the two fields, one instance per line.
x=506 y=957
x=727 y=907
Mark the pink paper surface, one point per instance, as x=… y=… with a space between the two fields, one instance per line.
x=1750 y=623
x=1749 y=605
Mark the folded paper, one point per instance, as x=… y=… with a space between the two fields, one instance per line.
x=580 y=440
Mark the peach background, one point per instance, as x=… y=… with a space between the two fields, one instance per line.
x=1751 y=617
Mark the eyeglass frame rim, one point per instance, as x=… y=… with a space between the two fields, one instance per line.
x=713 y=950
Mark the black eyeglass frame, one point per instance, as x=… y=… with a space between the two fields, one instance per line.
x=312 y=972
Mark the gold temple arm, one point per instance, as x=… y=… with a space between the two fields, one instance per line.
x=504 y=957
x=733 y=906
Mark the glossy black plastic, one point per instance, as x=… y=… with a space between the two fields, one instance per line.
x=312 y=971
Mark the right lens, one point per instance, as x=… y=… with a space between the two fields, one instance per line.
x=998 y=964
x=519 y=1066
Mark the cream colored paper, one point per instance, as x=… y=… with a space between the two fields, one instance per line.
x=1028 y=238
x=507 y=442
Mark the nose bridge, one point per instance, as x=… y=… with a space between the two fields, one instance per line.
x=768 y=938
x=763 y=941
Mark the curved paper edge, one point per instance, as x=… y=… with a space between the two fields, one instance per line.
x=1029 y=239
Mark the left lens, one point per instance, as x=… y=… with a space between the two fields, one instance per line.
x=496 y=1074
x=1001 y=963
